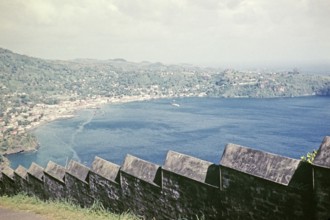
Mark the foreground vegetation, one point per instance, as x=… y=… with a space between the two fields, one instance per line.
x=60 y=210
x=310 y=156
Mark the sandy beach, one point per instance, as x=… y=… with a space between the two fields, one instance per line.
x=68 y=109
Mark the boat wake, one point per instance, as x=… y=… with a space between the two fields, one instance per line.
x=79 y=130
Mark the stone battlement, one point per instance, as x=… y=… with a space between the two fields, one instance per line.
x=246 y=184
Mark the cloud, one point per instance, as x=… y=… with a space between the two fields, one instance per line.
x=197 y=31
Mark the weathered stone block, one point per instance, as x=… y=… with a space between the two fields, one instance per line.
x=140 y=187
x=249 y=197
x=190 y=187
x=78 y=170
x=36 y=181
x=54 y=181
x=76 y=180
x=142 y=169
x=8 y=181
x=193 y=168
x=20 y=175
x=36 y=171
x=321 y=172
x=56 y=171
x=322 y=158
x=106 y=169
x=268 y=166
x=104 y=184
x=8 y=172
x=254 y=181
x=322 y=193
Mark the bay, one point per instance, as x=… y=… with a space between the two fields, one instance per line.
x=200 y=127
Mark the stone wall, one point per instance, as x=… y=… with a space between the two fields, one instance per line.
x=321 y=173
x=246 y=184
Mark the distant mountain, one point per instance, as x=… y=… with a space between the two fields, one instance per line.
x=119 y=60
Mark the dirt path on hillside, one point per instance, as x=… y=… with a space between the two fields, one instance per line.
x=9 y=214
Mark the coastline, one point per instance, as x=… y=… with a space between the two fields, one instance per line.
x=65 y=110
x=68 y=109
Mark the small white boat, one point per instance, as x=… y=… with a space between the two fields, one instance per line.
x=175 y=104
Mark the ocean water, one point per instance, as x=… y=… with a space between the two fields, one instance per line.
x=199 y=127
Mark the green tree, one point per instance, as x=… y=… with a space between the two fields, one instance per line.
x=310 y=156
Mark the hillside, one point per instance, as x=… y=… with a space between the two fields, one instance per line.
x=29 y=86
x=31 y=80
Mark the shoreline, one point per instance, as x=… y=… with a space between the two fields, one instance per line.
x=67 y=110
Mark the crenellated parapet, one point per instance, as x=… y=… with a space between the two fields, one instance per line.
x=189 y=184
x=272 y=167
x=104 y=180
x=21 y=178
x=321 y=180
x=246 y=184
x=264 y=184
x=54 y=180
x=77 y=184
x=9 y=187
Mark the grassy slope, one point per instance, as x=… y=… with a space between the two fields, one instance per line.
x=59 y=210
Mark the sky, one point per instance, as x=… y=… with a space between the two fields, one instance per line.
x=201 y=32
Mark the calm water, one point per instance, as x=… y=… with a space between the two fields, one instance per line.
x=200 y=127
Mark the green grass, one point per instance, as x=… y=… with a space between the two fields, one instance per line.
x=60 y=210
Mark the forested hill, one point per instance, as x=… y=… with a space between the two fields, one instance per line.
x=28 y=80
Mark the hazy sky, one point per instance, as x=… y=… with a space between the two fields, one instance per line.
x=221 y=32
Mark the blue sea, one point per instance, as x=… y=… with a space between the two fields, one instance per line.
x=200 y=127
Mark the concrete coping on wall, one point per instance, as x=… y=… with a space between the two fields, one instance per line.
x=192 y=168
x=322 y=158
x=272 y=167
x=78 y=170
x=56 y=171
x=9 y=172
x=105 y=169
x=21 y=172
x=36 y=171
x=141 y=169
